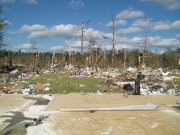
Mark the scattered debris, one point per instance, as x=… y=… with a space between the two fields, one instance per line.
x=14 y=71
x=113 y=79
x=38 y=120
x=98 y=93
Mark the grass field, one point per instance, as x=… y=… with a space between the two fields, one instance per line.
x=66 y=84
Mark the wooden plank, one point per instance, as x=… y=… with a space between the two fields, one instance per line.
x=148 y=106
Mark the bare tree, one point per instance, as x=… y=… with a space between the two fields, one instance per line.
x=113 y=45
x=82 y=38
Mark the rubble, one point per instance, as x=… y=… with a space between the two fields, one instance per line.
x=14 y=71
x=131 y=70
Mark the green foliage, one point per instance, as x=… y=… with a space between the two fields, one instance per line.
x=3 y=53
x=3 y=56
x=132 y=57
x=3 y=25
x=170 y=58
x=120 y=54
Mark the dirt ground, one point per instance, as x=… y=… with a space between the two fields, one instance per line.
x=163 y=120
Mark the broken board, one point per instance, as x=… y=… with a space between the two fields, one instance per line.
x=148 y=106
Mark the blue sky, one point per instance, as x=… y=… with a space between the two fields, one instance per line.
x=50 y=24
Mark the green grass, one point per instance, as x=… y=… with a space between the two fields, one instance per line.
x=61 y=83
x=176 y=82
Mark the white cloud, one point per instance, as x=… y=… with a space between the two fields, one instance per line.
x=137 y=43
x=75 y=46
x=27 y=46
x=35 y=27
x=161 y=25
x=25 y=1
x=129 y=14
x=57 y=48
x=23 y=46
x=162 y=42
x=116 y=23
x=30 y=1
x=75 y=5
x=139 y=23
x=121 y=46
x=175 y=24
x=40 y=31
x=130 y=41
x=169 y=4
x=166 y=25
x=174 y=6
x=94 y=33
x=99 y=23
x=58 y=30
x=27 y=28
x=7 y=1
x=66 y=31
x=122 y=42
x=137 y=40
x=178 y=36
x=9 y=23
x=129 y=30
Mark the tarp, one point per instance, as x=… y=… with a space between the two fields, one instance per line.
x=128 y=87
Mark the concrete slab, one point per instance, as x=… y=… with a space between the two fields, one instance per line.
x=163 y=120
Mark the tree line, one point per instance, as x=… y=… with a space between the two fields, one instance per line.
x=95 y=58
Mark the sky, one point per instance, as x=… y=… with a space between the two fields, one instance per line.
x=56 y=25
